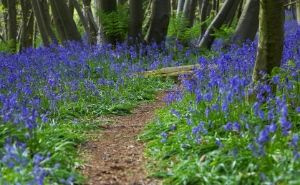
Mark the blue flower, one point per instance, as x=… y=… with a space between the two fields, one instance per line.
x=228 y=126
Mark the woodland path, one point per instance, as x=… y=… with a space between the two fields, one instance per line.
x=116 y=157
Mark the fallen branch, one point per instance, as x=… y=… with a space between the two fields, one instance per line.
x=171 y=71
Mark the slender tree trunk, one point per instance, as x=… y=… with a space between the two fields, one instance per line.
x=35 y=34
x=71 y=7
x=173 y=5
x=26 y=39
x=205 y=12
x=5 y=19
x=121 y=2
x=271 y=35
x=248 y=23
x=12 y=24
x=64 y=22
x=136 y=20
x=189 y=11
x=180 y=6
x=147 y=17
x=40 y=21
x=240 y=9
x=83 y=19
x=219 y=20
x=298 y=11
x=92 y=25
x=161 y=10
x=232 y=12
x=47 y=21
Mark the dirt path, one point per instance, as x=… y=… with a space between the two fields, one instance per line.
x=116 y=157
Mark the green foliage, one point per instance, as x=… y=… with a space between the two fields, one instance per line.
x=178 y=29
x=115 y=24
x=224 y=33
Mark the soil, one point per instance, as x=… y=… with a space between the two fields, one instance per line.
x=116 y=157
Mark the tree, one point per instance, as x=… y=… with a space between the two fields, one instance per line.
x=40 y=19
x=12 y=24
x=136 y=20
x=161 y=10
x=298 y=11
x=64 y=23
x=218 y=21
x=189 y=12
x=92 y=25
x=248 y=23
x=121 y=2
x=26 y=39
x=180 y=6
x=205 y=12
x=271 y=35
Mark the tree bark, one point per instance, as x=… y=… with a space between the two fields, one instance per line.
x=12 y=24
x=71 y=7
x=136 y=20
x=298 y=12
x=271 y=35
x=160 y=17
x=248 y=23
x=64 y=22
x=180 y=6
x=205 y=12
x=40 y=21
x=121 y=2
x=189 y=12
x=232 y=12
x=219 y=20
x=26 y=39
x=82 y=18
x=92 y=25
x=47 y=21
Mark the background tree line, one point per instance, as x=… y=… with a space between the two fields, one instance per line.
x=25 y=22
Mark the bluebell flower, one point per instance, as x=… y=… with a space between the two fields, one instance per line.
x=263 y=136
x=228 y=126
x=236 y=127
x=295 y=140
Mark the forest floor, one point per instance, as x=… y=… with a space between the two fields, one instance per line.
x=114 y=156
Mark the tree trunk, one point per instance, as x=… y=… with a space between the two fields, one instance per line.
x=26 y=39
x=136 y=20
x=47 y=21
x=5 y=20
x=298 y=12
x=71 y=7
x=38 y=13
x=180 y=6
x=12 y=24
x=271 y=35
x=189 y=12
x=219 y=20
x=92 y=25
x=248 y=22
x=173 y=5
x=232 y=12
x=160 y=17
x=82 y=18
x=121 y=2
x=64 y=22
x=240 y=9
x=205 y=12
